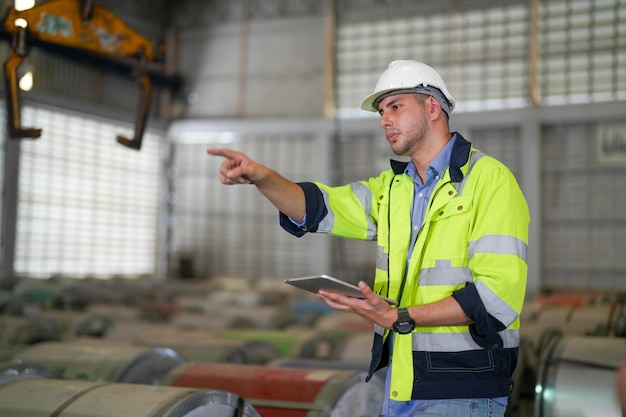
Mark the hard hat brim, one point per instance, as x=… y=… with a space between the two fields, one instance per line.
x=368 y=102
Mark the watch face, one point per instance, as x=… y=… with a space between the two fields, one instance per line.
x=404 y=324
x=404 y=327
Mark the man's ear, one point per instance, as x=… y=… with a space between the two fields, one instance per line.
x=435 y=107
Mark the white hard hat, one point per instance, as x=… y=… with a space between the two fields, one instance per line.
x=409 y=77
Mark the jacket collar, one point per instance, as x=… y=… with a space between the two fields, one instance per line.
x=460 y=156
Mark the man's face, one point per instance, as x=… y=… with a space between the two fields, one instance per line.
x=404 y=119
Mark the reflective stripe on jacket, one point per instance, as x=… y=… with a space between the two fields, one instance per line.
x=472 y=246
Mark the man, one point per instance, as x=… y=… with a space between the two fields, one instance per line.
x=452 y=233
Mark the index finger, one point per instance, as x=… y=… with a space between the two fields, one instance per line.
x=226 y=153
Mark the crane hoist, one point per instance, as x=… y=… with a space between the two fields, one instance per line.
x=77 y=28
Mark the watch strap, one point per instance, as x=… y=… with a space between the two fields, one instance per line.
x=403 y=315
x=404 y=324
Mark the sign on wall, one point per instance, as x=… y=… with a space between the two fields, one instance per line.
x=611 y=144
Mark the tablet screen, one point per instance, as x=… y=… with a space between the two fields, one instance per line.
x=325 y=282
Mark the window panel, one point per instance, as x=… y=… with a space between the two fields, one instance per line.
x=86 y=205
x=234 y=230
x=582 y=233
x=581 y=50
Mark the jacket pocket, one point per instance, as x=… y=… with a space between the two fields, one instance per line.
x=448 y=230
x=454 y=362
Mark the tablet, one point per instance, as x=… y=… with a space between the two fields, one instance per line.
x=324 y=282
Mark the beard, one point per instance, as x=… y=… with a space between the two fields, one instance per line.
x=414 y=135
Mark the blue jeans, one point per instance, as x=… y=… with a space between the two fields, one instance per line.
x=473 y=407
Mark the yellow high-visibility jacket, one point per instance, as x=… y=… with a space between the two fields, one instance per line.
x=472 y=246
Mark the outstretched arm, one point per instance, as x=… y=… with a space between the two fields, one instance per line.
x=285 y=195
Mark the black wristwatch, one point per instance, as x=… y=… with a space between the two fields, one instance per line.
x=405 y=324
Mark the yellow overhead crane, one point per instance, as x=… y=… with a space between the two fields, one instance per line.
x=78 y=28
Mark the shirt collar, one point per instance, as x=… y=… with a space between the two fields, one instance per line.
x=438 y=166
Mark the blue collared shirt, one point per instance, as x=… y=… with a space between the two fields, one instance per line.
x=423 y=191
